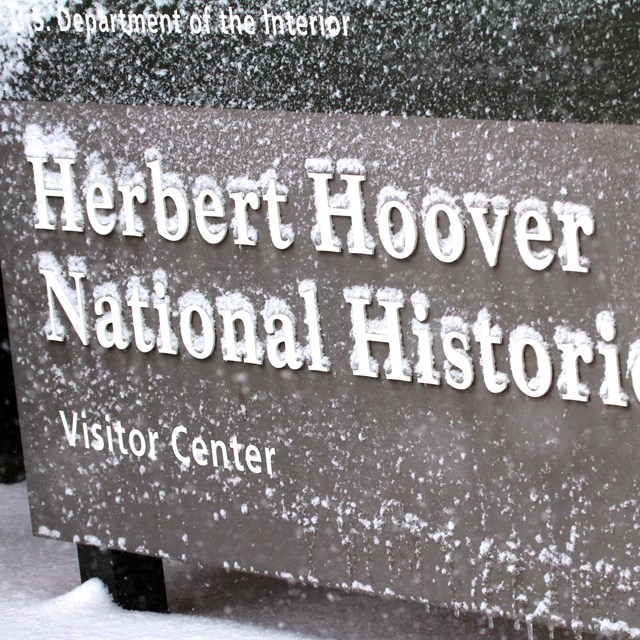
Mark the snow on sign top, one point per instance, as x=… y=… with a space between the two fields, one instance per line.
x=398 y=355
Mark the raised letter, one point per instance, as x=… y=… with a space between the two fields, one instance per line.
x=244 y=233
x=611 y=390
x=129 y=194
x=387 y=331
x=109 y=325
x=216 y=232
x=282 y=347
x=450 y=248
x=458 y=366
x=176 y=227
x=574 y=218
x=519 y=339
x=174 y=445
x=317 y=360
x=65 y=192
x=402 y=244
x=199 y=347
x=490 y=239
x=62 y=293
x=105 y=203
x=527 y=211
x=233 y=443
x=323 y=235
x=422 y=330
x=488 y=336
x=137 y=304
x=236 y=310
x=166 y=337
x=281 y=235
x=574 y=345
x=70 y=430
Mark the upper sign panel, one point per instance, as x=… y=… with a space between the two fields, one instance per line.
x=558 y=61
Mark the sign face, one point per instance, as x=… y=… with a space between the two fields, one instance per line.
x=398 y=355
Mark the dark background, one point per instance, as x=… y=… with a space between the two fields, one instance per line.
x=554 y=61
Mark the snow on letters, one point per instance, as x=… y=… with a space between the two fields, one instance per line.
x=140 y=315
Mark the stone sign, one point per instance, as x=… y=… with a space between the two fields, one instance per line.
x=396 y=355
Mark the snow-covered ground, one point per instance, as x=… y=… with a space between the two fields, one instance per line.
x=41 y=598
